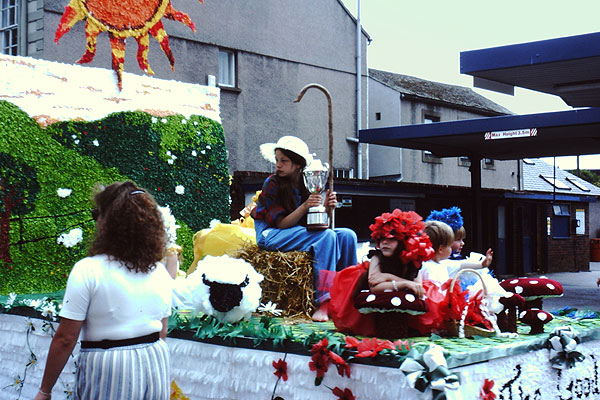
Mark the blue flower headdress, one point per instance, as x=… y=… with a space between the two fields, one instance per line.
x=450 y=216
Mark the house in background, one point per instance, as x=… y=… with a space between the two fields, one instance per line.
x=396 y=99
x=568 y=208
x=259 y=53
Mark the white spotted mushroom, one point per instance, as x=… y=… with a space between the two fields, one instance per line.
x=507 y=318
x=533 y=290
x=536 y=319
x=390 y=309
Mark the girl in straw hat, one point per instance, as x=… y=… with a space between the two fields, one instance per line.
x=280 y=214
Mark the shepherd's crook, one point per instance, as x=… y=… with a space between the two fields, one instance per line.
x=300 y=95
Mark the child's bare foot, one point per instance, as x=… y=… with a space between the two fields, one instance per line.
x=322 y=313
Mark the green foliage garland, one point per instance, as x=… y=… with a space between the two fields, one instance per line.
x=161 y=154
x=80 y=157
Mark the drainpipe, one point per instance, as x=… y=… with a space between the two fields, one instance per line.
x=367 y=171
x=358 y=89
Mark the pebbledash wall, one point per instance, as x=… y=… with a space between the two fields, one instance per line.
x=279 y=46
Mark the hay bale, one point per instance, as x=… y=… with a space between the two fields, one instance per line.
x=288 y=279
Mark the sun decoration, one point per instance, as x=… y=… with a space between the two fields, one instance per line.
x=122 y=19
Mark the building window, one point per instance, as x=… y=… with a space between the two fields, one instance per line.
x=428 y=156
x=560 y=221
x=378 y=116
x=227 y=68
x=464 y=161
x=488 y=163
x=343 y=173
x=9 y=30
x=579 y=185
x=555 y=182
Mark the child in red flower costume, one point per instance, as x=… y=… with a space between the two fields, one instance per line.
x=402 y=246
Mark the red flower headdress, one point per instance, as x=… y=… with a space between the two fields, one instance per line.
x=406 y=227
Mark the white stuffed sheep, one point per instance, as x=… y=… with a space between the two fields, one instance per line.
x=224 y=287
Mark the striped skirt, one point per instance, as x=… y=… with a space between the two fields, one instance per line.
x=137 y=372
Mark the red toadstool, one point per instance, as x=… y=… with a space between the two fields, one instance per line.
x=536 y=319
x=507 y=318
x=533 y=290
x=390 y=308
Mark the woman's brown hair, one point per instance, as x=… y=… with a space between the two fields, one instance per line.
x=131 y=227
x=286 y=186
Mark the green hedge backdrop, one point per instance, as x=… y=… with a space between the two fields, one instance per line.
x=181 y=161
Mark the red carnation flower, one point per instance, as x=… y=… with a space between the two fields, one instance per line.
x=342 y=366
x=280 y=369
x=486 y=391
x=371 y=347
x=345 y=394
x=351 y=342
x=319 y=364
x=321 y=348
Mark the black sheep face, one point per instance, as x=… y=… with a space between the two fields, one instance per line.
x=225 y=296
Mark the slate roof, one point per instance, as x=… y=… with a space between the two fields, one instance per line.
x=426 y=90
x=535 y=168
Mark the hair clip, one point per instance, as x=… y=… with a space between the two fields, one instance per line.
x=137 y=192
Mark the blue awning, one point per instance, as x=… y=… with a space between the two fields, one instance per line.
x=512 y=137
x=568 y=67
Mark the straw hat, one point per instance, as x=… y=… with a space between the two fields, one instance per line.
x=291 y=143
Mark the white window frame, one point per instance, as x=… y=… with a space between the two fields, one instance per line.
x=227 y=76
x=427 y=156
x=556 y=182
x=9 y=27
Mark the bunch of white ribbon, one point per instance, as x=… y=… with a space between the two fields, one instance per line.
x=562 y=343
x=429 y=369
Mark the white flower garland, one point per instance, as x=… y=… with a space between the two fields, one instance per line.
x=170 y=225
x=70 y=239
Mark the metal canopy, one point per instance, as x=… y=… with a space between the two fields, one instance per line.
x=568 y=67
x=562 y=133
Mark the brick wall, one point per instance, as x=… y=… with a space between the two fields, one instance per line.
x=573 y=253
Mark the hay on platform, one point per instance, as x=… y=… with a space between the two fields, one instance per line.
x=288 y=278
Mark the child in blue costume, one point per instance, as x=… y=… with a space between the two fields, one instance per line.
x=279 y=218
x=453 y=218
x=480 y=262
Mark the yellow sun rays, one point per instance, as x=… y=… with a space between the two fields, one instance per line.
x=115 y=19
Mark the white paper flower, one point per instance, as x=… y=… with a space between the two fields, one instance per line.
x=48 y=310
x=11 y=299
x=174 y=157
x=184 y=121
x=76 y=141
x=170 y=161
x=72 y=238
x=270 y=308
x=62 y=192
x=74 y=136
x=213 y=223
x=203 y=151
x=169 y=223
x=208 y=147
x=154 y=120
x=195 y=123
x=164 y=120
x=194 y=154
x=33 y=303
x=96 y=142
x=179 y=189
x=169 y=153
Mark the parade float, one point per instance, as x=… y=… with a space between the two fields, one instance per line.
x=66 y=128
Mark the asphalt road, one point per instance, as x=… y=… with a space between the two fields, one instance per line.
x=580 y=290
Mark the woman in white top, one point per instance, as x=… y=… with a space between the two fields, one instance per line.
x=119 y=300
